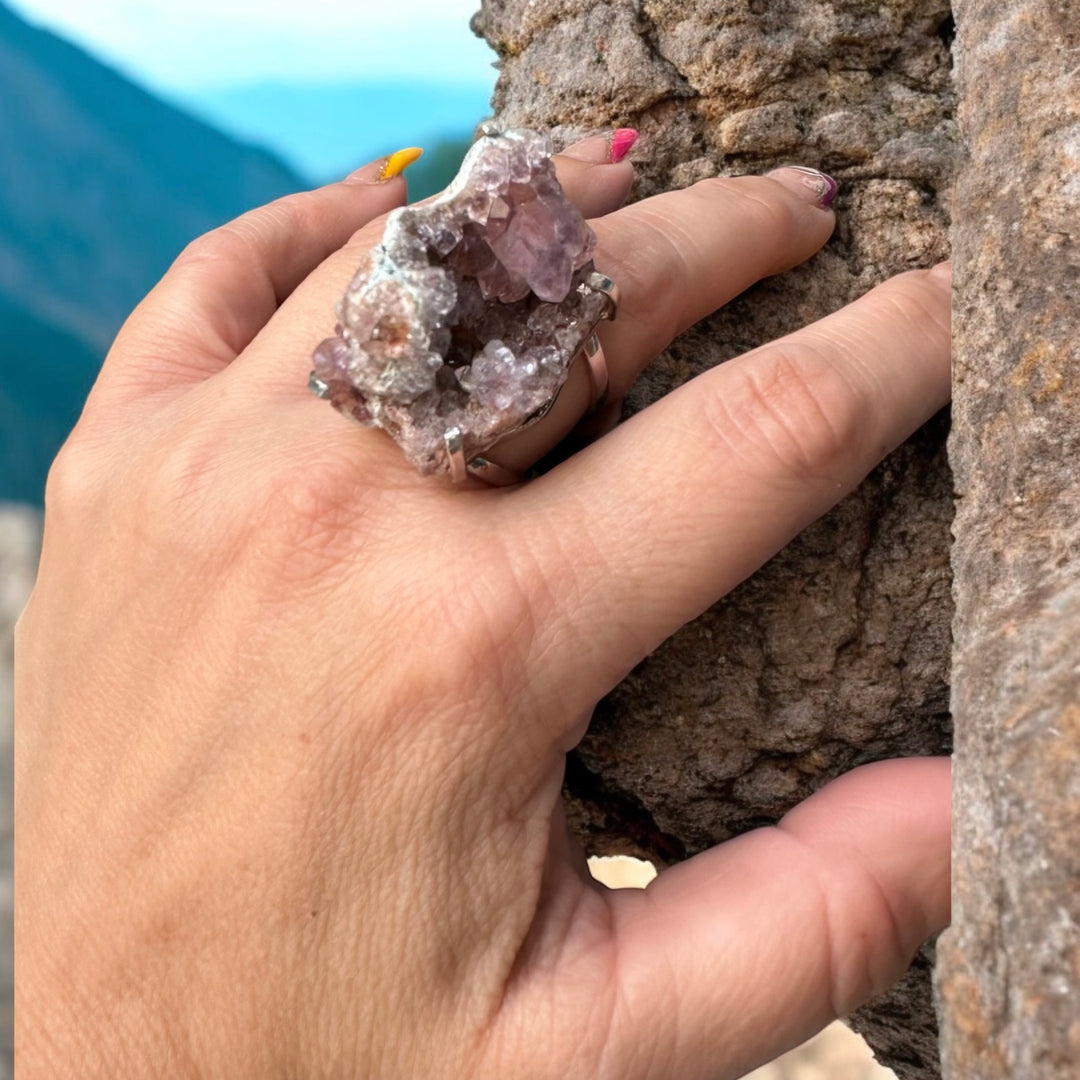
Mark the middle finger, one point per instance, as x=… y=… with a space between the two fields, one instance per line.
x=676 y=258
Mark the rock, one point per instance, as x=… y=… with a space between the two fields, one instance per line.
x=1010 y=966
x=836 y=653
x=20 y=542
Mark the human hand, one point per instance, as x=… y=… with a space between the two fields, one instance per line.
x=292 y=719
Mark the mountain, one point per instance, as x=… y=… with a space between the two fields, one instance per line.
x=101 y=185
x=327 y=130
x=45 y=375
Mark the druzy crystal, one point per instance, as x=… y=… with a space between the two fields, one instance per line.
x=470 y=310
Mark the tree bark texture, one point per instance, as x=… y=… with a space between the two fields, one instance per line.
x=1010 y=966
x=836 y=653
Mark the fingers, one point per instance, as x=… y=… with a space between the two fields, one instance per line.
x=677 y=258
x=226 y=285
x=675 y=507
x=281 y=358
x=741 y=953
x=595 y=174
x=680 y=256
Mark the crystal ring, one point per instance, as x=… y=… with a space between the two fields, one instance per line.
x=460 y=327
x=482 y=467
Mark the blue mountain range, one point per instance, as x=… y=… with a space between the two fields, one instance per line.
x=102 y=184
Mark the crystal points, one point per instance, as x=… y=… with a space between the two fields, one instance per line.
x=470 y=311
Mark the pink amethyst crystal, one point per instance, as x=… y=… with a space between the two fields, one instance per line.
x=470 y=311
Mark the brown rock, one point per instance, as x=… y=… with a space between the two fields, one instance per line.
x=836 y=653
x=1010 y=970
x=20 y=544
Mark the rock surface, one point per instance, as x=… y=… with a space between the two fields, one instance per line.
x=1010 y=966
x=836 y=653
x=20 y=541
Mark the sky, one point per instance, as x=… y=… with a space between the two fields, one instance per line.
x=179 y=46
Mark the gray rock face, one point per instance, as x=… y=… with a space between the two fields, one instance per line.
x=1010 y=973
x=20 y=541
x=836 y=653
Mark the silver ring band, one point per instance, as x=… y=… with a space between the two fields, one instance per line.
x=490 y=472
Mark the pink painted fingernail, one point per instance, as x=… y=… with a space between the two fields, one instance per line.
x=622 y=142
x=812 y=185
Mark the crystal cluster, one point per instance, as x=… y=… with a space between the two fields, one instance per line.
x=470 y=311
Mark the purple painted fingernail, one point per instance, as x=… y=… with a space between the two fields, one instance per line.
x=809 y=184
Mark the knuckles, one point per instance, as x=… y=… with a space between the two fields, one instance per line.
x=665 y=274
x=790 y=414
x=293 y=521
x=75 y=481
x=248 y=241
x=815 y=404
x=653 y=275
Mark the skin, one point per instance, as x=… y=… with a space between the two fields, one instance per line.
x=292 y=719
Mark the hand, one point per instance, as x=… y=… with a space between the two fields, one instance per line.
x=292 y=719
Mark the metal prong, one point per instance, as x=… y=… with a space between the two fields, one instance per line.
x=490 y=473
x=317 y=386
x=455 y=454
x=598 y=370
x=602 y=283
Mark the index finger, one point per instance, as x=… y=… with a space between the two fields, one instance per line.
x=281 y=356
x=226 y=285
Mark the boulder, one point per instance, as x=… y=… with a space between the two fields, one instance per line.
x=836 y=653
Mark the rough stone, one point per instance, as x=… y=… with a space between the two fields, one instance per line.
x=836 y=653
x=20 y=543
x=465 y=318
x=1010 y=966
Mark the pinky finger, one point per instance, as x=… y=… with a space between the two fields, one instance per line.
x=748 y=949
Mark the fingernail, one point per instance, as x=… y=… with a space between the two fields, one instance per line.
x=596 y=150
x=622 y=142
x=383 y=169
x=398 y=162
x=809 y=184
x=603 y=149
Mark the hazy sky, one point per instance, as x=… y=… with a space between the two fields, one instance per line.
x=191 y=44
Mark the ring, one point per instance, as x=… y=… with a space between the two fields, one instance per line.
x=592 y=352
x=461 y=326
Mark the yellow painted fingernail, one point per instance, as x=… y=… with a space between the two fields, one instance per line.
x=397 y=163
